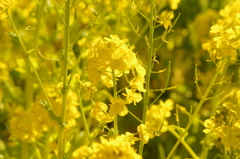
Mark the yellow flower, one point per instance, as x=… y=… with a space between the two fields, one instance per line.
x=174 y=4
x=130 y=138
x=117 y=107
x=99 y=112
x=25 y=125
x=117 y=148
x=4 y=4
x=165 y=19
x=83 y=152
x=132 y=96
x=106 y=55
x=144 y=133
x=90 y=90
x=138 y=81
x=156 y=116
x=231 y=137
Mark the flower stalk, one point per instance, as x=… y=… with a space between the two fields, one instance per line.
x=203 y=99
x=65 y=88
x=148 y=71
x=115 y=122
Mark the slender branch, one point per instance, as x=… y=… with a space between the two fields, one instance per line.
x=65 y=88
x=115 y=96
x=30 y=61
x=148 y=72
x=184 y=143
x=198 y=108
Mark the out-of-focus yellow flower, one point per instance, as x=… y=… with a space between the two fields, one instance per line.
x=132 y=96
x=83 y=152
x=106 y=55
x=157 y=114
x=114 y=149
x=130 y=138
x=231 y=137
x=99 y=112
x=72 y=112
x=90 y=90
x=144 y=133
x=174 y=4
x=165 y=19
x=225 y=34
x=25 y=125
x=4 y=5
x=117 y=107
x=138 y=81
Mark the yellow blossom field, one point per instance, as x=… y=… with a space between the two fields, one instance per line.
x=124 y=79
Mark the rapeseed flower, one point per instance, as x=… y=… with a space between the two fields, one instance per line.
x=156 y=116
x=132 y=96
x=118 y=107
x=117 y=148
x=225 y=33
x=144 y=133
x=99 y=112
x=4 y=4
x=106 y=55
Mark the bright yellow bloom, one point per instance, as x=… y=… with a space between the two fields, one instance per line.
x=83 y=152
x=25 y=126
x=117 y=107
x=144 y=133
x=174 y=4
x=157 y=114
x=165 y=19
x=117 y=148
x=4 y=4
x=90 y=90
x=130 y=138
x=99 y=112
x=132 y=96
x=106 y=55
x=225 y=34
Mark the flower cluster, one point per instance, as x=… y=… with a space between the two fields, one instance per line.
x=36 y=120
x=109 y=55
x=4 y=5
x=225 y=125
x=156 y=122
x=109 y=59
x=118 y=148
x=225 y=33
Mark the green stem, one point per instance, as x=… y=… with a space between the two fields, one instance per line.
x=64 y=74
x=115 y=122
x=29 y=60
x=187 y=147
x=25 y=152
x=38 y=26
x=84 y=117
x=148 y=72
x=46 y=142
x=198 y=108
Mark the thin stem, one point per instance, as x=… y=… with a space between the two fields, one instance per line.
x=25 y=152
x=115 y=122
x=39 y=22
x=134 y=116
x=166 y=85
x=187 y=147
x=29 y=60
x=84 y=117
x=64 y=74
x=148 y=72
x=198 y=108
